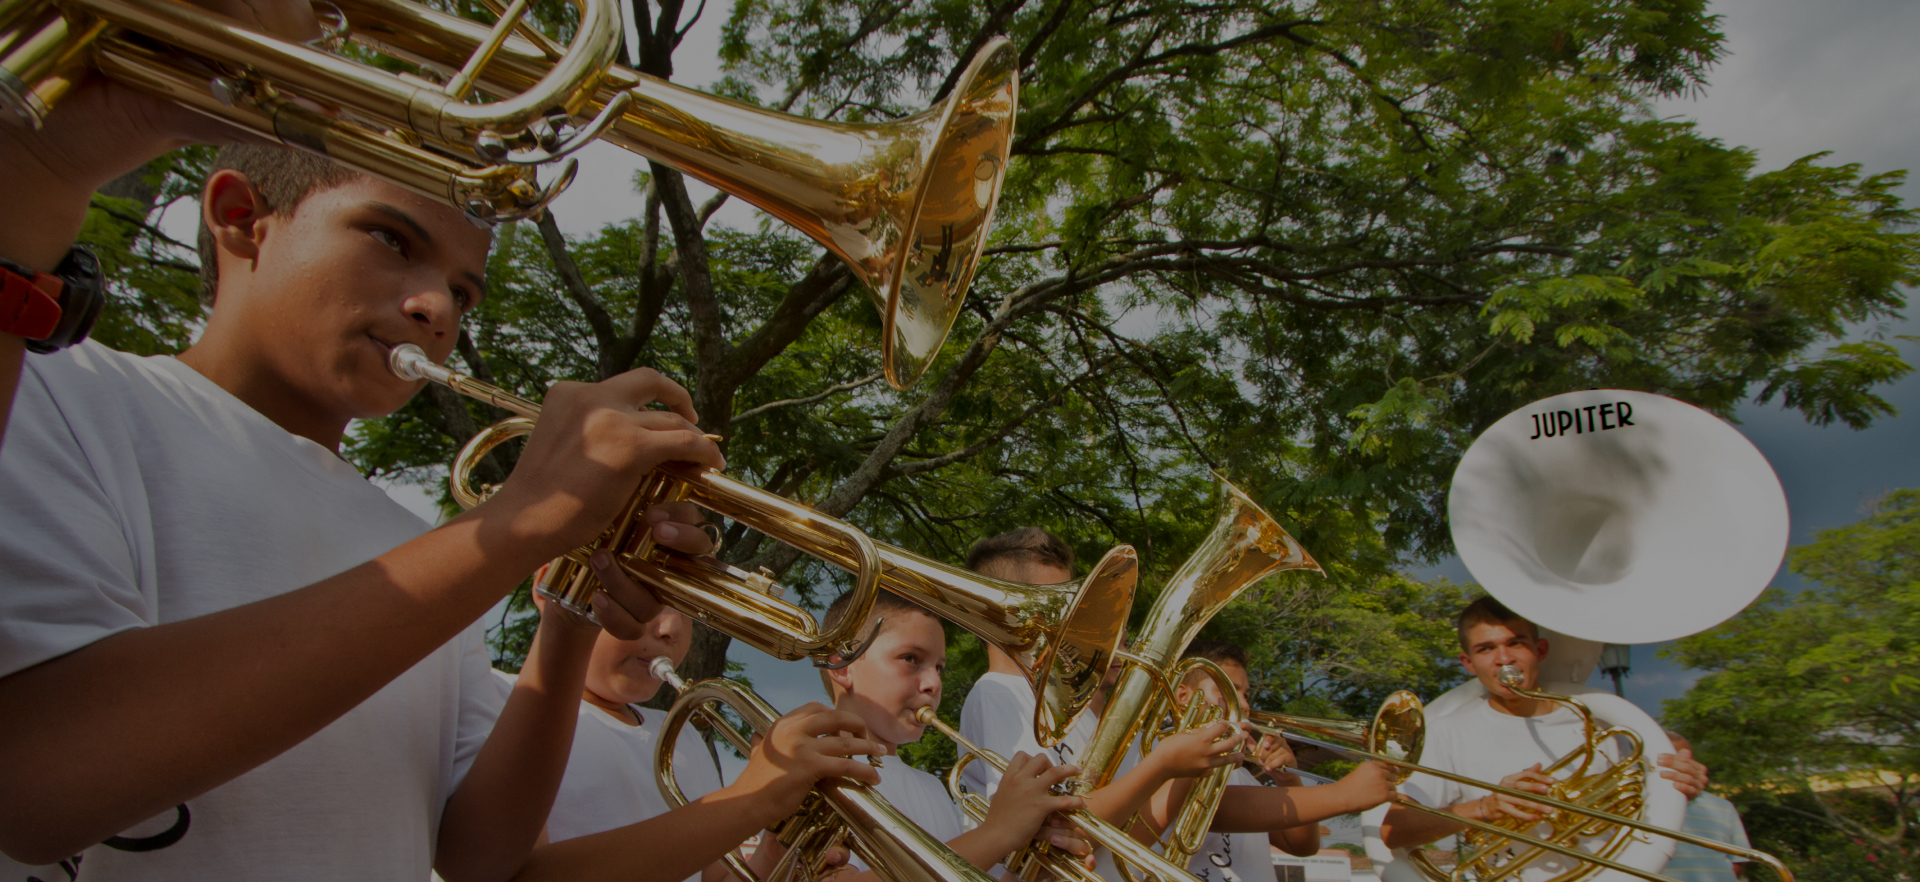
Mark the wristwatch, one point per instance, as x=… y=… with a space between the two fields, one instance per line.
x=52 y=310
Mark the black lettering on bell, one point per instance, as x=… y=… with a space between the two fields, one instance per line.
x=1589 y=409
x=1625 y=411
x=1606 y=412
x=1536 y=427
x=1565 y=419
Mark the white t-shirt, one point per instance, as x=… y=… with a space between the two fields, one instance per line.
x=137 y=492
x=610 y=782
x=1234 y=857
x=998 y=716
x=1486 y=745
x=921 y=797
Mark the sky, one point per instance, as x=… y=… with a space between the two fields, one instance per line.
x=1798 y=78
x=1802 y=78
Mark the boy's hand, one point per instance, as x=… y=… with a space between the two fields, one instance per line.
x=1689 y=775
x=804 y=746
x=1369 y=784
x=1273 y=753
x=623 y=606
x=1195 y=752
x=592 y=445
x=1025 y=800
x=1495 y=806
x=103 y=130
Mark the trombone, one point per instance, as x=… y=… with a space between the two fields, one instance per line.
x=1396 y=735
x=837 y=811
x=1128 y=853
x=1063 y=636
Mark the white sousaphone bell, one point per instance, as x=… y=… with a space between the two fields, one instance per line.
x=1619 y=517
x=1611 y=516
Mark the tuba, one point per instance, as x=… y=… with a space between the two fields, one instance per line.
x=1581 y=512
x=1063 y=636
x=1244 y=546
x=837 y=811
x=906 y=204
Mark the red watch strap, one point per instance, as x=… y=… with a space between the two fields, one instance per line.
x=29 y=308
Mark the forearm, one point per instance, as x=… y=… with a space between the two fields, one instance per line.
x=666 y=848
x=1405 y=827
x=1265 y=809
x=1128 y=794
x=1301 y=841
x=140 y=721
x=493 y=818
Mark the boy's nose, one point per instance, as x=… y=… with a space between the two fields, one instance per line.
x=434 y=311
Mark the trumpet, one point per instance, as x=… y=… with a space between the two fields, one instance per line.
x=906 y=204
x=1395 y=737
x=837 y=811
x=1129 y=854
x=1063 y=636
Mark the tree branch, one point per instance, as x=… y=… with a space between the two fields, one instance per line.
x=576 y=287
x=815 y=398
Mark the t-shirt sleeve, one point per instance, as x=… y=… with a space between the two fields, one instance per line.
x=1737 y=832
x=482 y=696
x=73 y=575
x=997 y=720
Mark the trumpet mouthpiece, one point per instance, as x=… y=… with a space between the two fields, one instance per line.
x=408 y=362
x=1509 y=676
x=662 y=669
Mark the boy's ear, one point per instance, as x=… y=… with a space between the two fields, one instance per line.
x=232 y=208
x=841 y=677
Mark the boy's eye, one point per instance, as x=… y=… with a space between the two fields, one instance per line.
x=387 y=238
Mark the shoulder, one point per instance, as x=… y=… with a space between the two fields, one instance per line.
x=999 y=688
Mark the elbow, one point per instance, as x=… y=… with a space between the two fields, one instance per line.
x=34 y=845
x=1302 y=849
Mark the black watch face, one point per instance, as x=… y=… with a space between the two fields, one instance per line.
x=82 y=296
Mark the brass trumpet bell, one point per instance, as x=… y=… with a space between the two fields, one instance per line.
x=906 y=203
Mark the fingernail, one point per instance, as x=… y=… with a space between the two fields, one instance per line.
x=656 y=515
x=599 y=603
x=602 y=561
x=666 y=532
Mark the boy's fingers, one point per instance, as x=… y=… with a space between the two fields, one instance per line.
x=683 y=538
x=645 y=386
x=846 y=745
x=828 y=721
x=621 y=605
x=679 y=512
x=853 y=770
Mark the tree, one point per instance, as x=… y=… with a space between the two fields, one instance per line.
x=1810 y=712
x=1315 y=246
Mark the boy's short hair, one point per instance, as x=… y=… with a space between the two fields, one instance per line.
x=1487 y=611
x=284 y=176
x=1024 y=545
x=886 y=604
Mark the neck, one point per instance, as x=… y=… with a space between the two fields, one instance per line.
x=255 y=383
x=1001 y=663
x=1518 y=705
x=618 y=709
